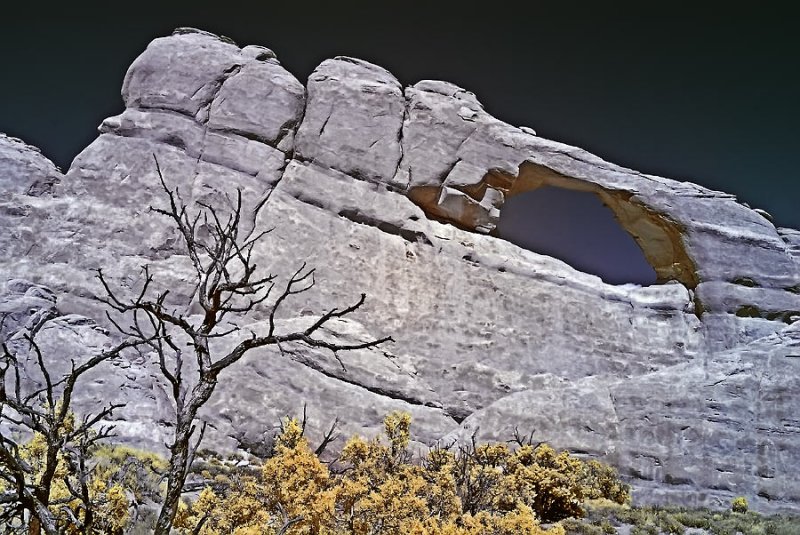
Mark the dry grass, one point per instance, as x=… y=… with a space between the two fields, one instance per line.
x=604 y=517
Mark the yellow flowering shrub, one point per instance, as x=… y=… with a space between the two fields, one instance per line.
x=291 y=486
x=601 y=481
x=297 y=483
x=109 y=500
x=739 y=504
x=375 y=489
x=549 y=482
x=241 y=511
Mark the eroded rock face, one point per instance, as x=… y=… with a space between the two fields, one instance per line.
x=25 y=170
x=686 y=384
x=353 y=119
x=693 y=433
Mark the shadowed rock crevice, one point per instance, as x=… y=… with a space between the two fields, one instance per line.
x=385 y=226
x=342 y=376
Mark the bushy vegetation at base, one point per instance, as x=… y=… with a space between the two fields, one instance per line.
x=604 y=517
x=374 y=487
x=98 y=499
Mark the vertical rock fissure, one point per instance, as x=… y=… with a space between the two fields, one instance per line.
x=400 y=137
x=296 y=126
x=204 y=113
x=288 y=157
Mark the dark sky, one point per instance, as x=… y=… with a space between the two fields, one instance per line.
x=704 y=95
x=585 y=235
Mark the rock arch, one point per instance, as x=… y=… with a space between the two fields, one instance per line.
x=478 y=206
x=658 y=237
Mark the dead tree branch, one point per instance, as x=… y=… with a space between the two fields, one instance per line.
x=228 y=286
x=46 y=412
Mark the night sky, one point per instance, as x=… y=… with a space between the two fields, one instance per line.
x=707 y=96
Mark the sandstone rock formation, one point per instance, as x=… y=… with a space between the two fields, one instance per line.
x=689 y=386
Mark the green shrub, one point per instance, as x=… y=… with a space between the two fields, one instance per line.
x=667 y=523
x=673 y=520
x=694 y=518
x=573 y=526
x=607 y=527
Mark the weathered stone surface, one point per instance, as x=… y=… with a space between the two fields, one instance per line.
x=262 y=100
x=441 y=117
x=792 y=239
x=685 y=384
x=256 y=395
x=23 y=305
x=724 y=424
x=353 y=119
x=212 y=81
x=26 y=178
x=182 y=73
x=739 y=299
x=62 y=338
x=24 y=169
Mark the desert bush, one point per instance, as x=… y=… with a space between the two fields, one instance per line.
x=669 y=524
x=374 y=487
x=739 y=504
x=698 y=519
x=574 y=526
x=665 y=520
x=608 y=527
x=601 y=481
x=139 y=472
x=100 y=494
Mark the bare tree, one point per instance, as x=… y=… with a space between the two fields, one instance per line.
x=26 y=504
x=227 y=287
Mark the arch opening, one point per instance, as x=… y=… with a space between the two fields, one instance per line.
x=477 y=205
x=578 y=228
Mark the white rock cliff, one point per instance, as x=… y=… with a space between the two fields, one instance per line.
x=689 y=386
